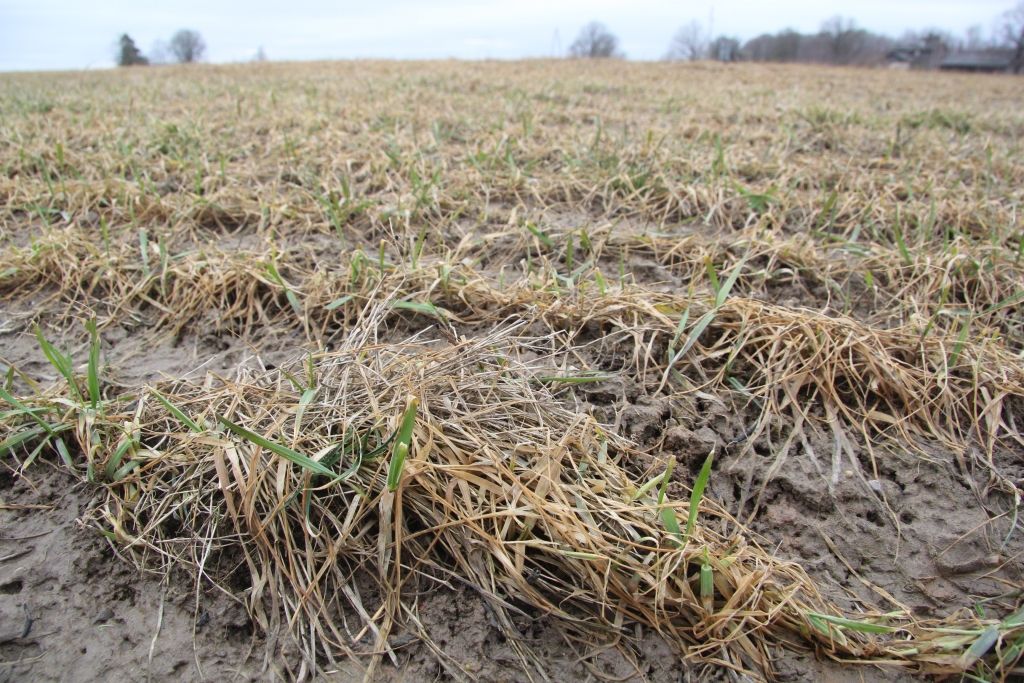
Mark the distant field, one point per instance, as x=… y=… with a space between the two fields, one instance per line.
x=414 y=371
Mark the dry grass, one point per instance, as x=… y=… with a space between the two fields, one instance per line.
x=454 y=232
x=504 y=489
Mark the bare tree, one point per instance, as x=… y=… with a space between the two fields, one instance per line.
x=690 y=43
x=187 y=46
x=1013 y=35
x=128 y=54
x=595 y=41
x=845 y=38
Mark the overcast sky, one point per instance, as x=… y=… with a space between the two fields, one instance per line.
x=71 y=34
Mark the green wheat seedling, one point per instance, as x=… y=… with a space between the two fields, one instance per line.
x=92 y=369
x=721 y=292
x=62 y=364
x=402 y=443
x=278 y=449
x=697 y=494
x=38 y=428
x=421 y=307
x=667 y=512
x=707 y=584
x=43 y=432
x=276 y=278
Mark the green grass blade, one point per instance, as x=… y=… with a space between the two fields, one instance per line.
x=902 y=243
x=293 y=300
x=25 y=410
x=707 y=581
x=665 y=512
x=694 y=334
x=403 y=441
x=722 y=293
x=665 y=478
x=540 y=235
x=1014 y=620
x=126 y=469
x=59 y=361
x=671 y=523
x=93 y=370
x=177 y=412
x=852 y=624
x=709 y=268
x=980 y=646
x=35 y=452
x=958 y=347
x=14 y=440
x=698 y=493
x=62 y=450
x=278 y=449
x=822 y=626
x=643 y=490
x=707 y=584
x=337 y=303
x=304 y=400
x=680 y=328
x=426 y=308
x=1012 y=300
x=115 y=460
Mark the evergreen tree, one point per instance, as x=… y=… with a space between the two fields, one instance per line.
x=128 y=53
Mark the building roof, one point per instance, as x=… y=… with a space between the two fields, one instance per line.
x=995 y=60
x=906 y=54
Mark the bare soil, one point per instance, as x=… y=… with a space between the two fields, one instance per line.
x=71 y=609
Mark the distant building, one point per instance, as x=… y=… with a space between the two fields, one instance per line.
x=916 y=57
x=979 y=61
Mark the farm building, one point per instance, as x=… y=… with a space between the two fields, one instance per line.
x=979 y=61
x=915 y=57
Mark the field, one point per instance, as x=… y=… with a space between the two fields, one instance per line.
x=546 y=370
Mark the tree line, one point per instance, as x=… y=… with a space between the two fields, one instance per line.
x=839 y=41
x=186 y=46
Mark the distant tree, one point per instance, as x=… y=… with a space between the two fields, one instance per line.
x=724 y=49
x=929 y=48
x=845 y=39
x=938 y=44
x=1013 y=35
x=941 y=40
x=756 y=49
x=128 y=53
x=187 y=46
x=261 y=55
x=781 y=47
x=595 y=41
x=689 y=44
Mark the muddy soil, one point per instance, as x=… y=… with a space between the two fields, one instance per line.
x=896 y=529
x=916 y=535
